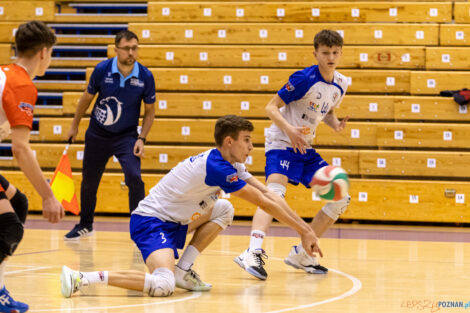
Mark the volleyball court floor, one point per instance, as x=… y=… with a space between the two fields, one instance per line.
x=371 y=269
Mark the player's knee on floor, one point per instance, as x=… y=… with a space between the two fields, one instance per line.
x=11 y=233
x=335 y=209
x=222 y=213
x=161 y=283
x=19 y=202
x=278 y=189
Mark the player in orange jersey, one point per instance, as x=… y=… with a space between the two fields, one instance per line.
x=34 y=41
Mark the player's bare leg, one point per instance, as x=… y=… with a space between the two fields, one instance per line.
x=251 y=260
x=323 y=220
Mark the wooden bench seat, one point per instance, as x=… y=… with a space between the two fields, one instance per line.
x=371 y=199
x=454 y=35
x=462 y=12
x=299 y=12
x=432 y=82
x=404 y=57
x=448 y=58
x=367 y=134
x=166 y=157
x=269 y=80
x=279 y=33
x=366 y=163
x=27 y=10
x=429 y=135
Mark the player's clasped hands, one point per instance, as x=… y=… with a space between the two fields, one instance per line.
x=310 y=244
x=297 y=138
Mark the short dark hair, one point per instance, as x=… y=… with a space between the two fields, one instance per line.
x=32 y=37
x=329 y=38
x=127 y=34
x=230 y=125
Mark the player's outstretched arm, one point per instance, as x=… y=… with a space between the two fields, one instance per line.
x=82 y=107
x=279 y=209
x=52 y=209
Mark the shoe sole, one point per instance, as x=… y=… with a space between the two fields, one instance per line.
x=249 y=270
x=66 y=282
x=303 y=268
x=81 y=236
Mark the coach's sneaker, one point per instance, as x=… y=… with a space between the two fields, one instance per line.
x=252 y=262
x=190 y=280
x=70 y=281
x=299 y=259
x=8 y=305
x=79 y=231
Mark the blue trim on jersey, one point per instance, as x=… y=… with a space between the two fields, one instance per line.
x=151 y=234
x=300 y=83
x=219 y=172
x=122 y=82
x=299 y=168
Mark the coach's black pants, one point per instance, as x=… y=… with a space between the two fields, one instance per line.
x=97 y=152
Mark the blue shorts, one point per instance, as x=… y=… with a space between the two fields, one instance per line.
x=299 y=168
x=151 y=234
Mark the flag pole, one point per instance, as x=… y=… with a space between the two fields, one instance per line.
x=69 y=142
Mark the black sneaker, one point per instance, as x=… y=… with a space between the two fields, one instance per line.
x=252 y=262
x=79 y=231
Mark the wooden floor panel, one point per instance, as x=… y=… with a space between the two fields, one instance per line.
x=365 y=275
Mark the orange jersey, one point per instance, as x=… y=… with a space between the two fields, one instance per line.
x=17 y=96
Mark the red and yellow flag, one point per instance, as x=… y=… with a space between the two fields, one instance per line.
x=63 y=187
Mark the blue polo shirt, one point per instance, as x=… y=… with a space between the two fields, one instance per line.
x=117 y=108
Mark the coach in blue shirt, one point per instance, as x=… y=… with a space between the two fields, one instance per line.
x=122 y=84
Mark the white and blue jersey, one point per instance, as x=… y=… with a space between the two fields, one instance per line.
x=308 y=98
x=191 y=188
x=117 y=108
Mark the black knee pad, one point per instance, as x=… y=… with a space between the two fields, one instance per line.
x=11 y=233
x=19 y=202
x=4 y=182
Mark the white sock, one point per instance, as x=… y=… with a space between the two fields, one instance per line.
x=91 y=278
x=256 y=239
x=147 y=282
x=2 y=274
x=188 y=258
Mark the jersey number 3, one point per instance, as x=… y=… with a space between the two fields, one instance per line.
x=163 y=237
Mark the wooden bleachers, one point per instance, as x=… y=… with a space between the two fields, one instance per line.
x=426 y=135
x=462 y=12
x=5 y=54
x=372 y=199
x=59 y=85
x=299 y=12
x=252 y=105
x=432 y=82
x=414 y=163
x=448 y=58
x=207 y=61
x=454 y=35
x=357 y=134
x=26 y=10
x=7 y=30
x=164 y=157
x=366 y=163
x=269 y=80
x=275 y=56
x=279 y=33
